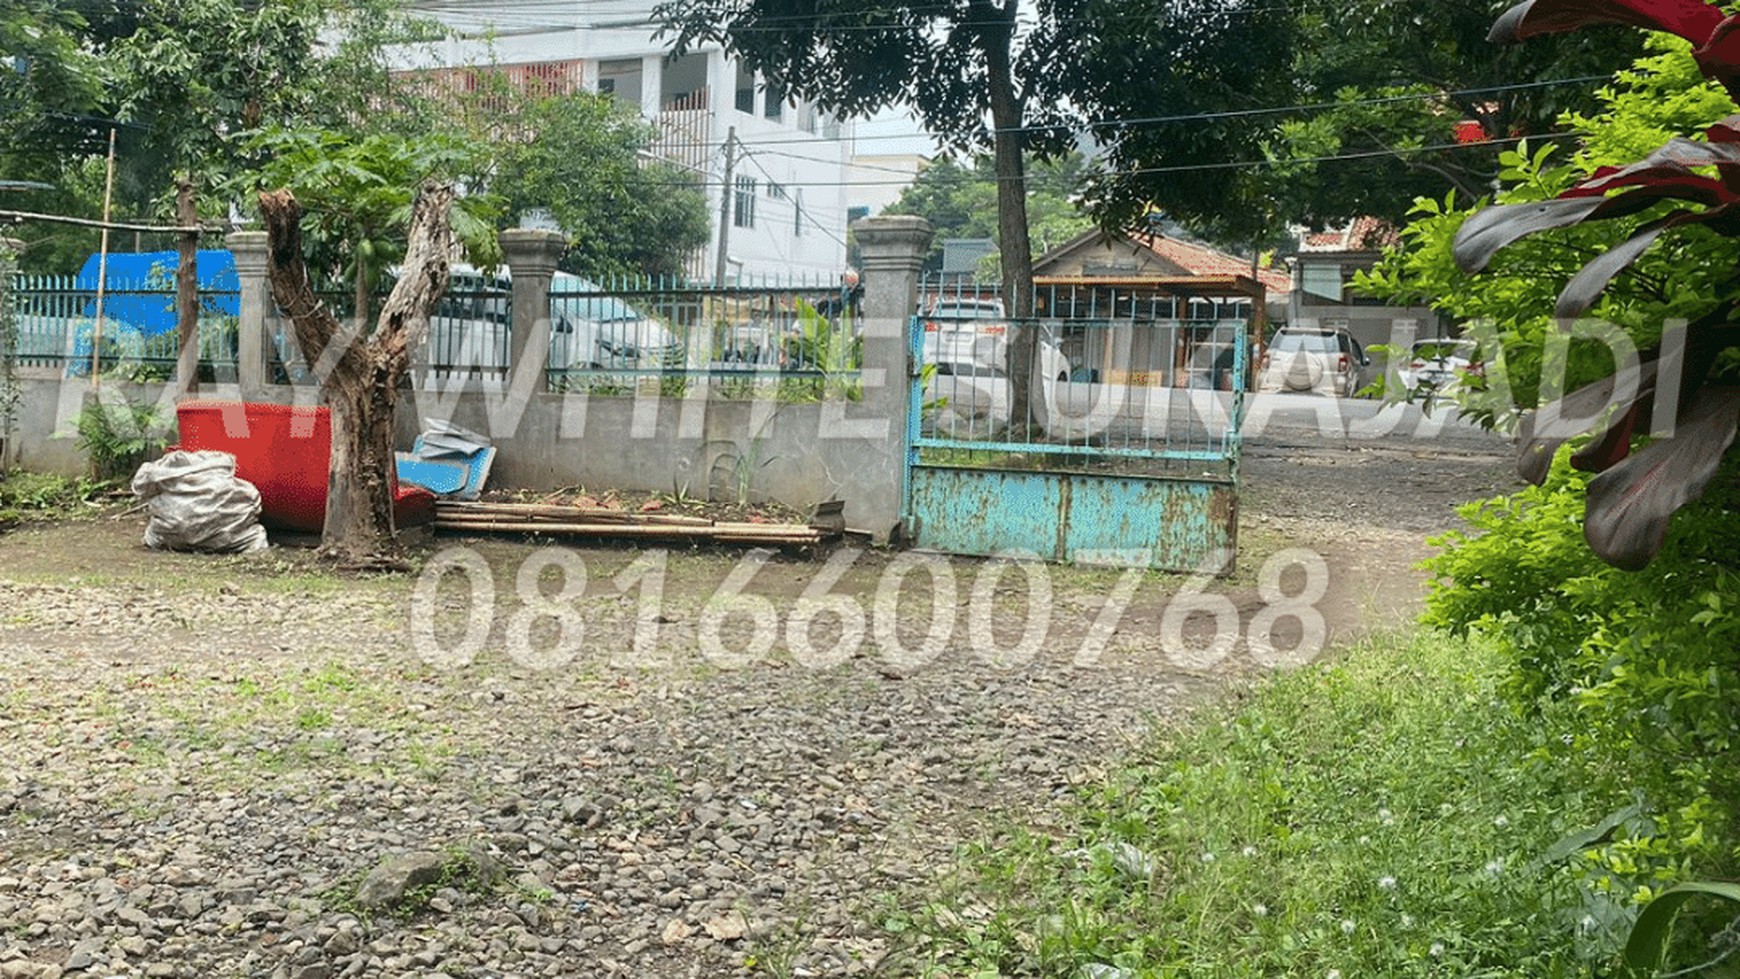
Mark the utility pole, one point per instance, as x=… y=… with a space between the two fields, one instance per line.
x=729 y=188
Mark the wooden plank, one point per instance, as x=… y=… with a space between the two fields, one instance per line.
x=558 y=512
x=771 y=533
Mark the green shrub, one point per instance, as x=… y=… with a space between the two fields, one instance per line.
x=25 y=494
x=119 y=435
x=1647 y=661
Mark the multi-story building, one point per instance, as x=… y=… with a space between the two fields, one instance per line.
x=783 y=162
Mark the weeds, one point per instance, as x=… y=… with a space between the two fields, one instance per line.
x=1386 y=816
x=120 y=435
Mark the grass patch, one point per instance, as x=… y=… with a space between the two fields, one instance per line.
x=1382 y=816
x=26 y=495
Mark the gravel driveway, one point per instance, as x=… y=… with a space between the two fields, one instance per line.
x=243 y=767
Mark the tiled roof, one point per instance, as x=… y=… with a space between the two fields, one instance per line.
x=1202 y=260
x=1365 y=234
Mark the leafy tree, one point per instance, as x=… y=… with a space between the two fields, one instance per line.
x=579 y=156
x=197 y=72
x=1130 y=62
x=359 y=194
x=1401 y=75
x=1221 y=114
x=957 y=63
x=356 y=193
x=960 y=201
x=49 y=83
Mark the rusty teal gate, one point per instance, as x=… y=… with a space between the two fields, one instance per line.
x=1124 y=449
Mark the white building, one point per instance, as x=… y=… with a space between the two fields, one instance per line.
x=788 y=166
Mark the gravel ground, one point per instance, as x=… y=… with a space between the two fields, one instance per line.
x=242 y=767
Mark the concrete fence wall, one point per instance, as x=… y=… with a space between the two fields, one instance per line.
x=798 y=454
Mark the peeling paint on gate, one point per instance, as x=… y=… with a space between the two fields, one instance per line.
x=1147 y=477
x=1169 y=524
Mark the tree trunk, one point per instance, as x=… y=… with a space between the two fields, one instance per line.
x=1014 y=251
x=360 y=379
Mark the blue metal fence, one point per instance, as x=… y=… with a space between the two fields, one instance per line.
x=57 y=327
x=1124 y=446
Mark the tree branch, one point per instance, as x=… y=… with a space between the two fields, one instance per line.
x=313 y=324
x=405 y=317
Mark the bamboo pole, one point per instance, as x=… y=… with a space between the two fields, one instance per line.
x=103 y=265
x=554 y=511
x=115 y=225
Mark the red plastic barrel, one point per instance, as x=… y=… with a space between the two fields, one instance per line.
x=284 y=450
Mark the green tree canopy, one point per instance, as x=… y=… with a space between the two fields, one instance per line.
x=1223 y=115
x=957 y=63
x=579 y=156
x=960 y=201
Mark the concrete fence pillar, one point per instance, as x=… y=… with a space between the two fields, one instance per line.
x=254 y=319
x=531 y=260
x=893 y=250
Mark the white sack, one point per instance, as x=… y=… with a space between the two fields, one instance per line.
x=197 y=503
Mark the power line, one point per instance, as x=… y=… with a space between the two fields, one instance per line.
x=1146 y=121
x=1181 y=168
x=797 y=206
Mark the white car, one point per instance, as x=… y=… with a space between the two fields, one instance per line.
x=1436 y=365
x=589 y=330
x=959 y=329
x=969 y=397
x=1323 y=360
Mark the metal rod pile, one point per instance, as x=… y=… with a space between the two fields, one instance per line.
x=578 y=521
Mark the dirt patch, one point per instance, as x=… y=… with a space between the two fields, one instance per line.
x=694 y=762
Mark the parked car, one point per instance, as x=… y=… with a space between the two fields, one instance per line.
x=1323 y=360
x=596 y=331
x=1436 y=365
x=973 y=398
x=963 y=329
x=589 y=330
x=966 y=328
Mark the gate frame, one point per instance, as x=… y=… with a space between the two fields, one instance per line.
x=1163 y=522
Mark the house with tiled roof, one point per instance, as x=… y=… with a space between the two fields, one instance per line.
x=1171 y=303
x=1324 y=265
x=1153 y=255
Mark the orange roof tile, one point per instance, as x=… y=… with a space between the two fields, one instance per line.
x=1205 y=261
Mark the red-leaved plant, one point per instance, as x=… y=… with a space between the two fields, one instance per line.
x=1632 y=500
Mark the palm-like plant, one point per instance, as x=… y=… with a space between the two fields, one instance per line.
x=1632 y=500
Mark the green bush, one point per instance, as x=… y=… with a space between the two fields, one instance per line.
x=24 y=494
x=1647 y=661
x=1389 y=815
x=120 y=435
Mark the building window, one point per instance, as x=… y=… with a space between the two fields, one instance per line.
x=775 y=191
x=745 y=90
x=773 y=104
x=743 y=206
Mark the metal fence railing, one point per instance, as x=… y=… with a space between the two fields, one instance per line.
x=1119 y=381
x=57 y=328
x=794 y=340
